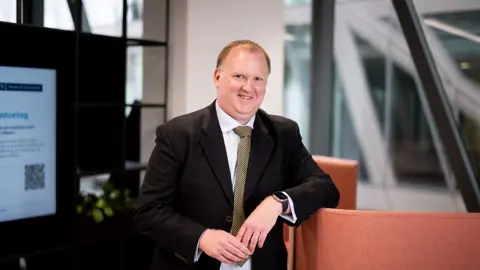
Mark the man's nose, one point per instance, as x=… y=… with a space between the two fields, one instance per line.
x=248 y=85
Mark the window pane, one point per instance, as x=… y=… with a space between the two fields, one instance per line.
x=8 y=10
x=105 y=17
x=57 y=15
x=297 y=77
x=453 y=35
x=134 y=89
x=380 y=118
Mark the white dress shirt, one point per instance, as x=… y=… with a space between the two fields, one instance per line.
x=231 y=139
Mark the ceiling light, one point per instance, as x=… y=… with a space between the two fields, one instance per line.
x=465 y=65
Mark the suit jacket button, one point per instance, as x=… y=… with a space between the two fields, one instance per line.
x=228 y=219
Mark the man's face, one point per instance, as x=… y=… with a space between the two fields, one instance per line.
x=241 y=83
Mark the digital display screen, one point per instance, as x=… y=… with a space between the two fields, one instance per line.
x=27 y=143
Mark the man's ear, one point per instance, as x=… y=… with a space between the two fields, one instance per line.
x=216 y=77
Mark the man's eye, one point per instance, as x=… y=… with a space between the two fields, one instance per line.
x=239 y=76
x=259 y=79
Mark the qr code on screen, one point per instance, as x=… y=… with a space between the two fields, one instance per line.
x=34 y=176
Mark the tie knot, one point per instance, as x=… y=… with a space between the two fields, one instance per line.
x=243 y=131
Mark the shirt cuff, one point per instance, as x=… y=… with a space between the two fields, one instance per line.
x=198 y=252
x=292 y=217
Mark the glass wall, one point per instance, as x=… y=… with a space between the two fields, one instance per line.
x=454 y=39
x=379 y=115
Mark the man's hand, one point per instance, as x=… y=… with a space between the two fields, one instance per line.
x=257 y=226
x=223 y=246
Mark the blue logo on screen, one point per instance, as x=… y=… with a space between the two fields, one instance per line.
x=22 y=87
x=14 y=115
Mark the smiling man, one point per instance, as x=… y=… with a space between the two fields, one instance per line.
x=221 y=181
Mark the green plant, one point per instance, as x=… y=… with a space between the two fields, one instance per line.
x=102 y=206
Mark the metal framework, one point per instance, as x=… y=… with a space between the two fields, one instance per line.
x=438 y=104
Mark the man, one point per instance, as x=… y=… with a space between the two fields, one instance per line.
x=222 y=180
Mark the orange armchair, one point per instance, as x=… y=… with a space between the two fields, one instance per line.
x=365 y=240
x=302 y=242
x=345 y=238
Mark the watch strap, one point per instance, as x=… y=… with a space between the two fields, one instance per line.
x=284 y=202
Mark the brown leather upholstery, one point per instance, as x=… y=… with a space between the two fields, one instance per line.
x=344 y=175
x=364 y=240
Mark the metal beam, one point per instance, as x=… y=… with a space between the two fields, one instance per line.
x=19 y=11
x=439 y=106
x=79 y=20
x=31 y=12
x=321 y=77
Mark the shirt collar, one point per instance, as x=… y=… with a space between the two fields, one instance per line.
x=227 y=123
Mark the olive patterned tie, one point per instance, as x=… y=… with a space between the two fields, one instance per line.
x=243 y=154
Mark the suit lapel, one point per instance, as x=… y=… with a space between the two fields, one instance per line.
x=214 y=148
x=262 y=146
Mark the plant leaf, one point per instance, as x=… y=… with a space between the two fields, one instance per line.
x=101 y=203
x=97 y=215
x=108 y=211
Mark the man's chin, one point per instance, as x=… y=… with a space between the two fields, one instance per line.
x=244 y=110
x=248 y=114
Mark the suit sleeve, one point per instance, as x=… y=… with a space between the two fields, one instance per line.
x=310 y=188
x=154 y=215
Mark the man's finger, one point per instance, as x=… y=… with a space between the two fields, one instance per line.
x=241 y=232
x=240 y=246
x=229 y=253
x=237 y=252
x=246 y=237
x=224 y=259
x=261 y=239
x=253 y=242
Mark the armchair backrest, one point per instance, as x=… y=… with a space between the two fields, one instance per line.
x=304 y=239
x=364 y=240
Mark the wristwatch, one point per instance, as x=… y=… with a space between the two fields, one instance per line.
x=281 y=198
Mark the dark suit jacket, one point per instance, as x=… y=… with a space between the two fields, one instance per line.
x=187 y=187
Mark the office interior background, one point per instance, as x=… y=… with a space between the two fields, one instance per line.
x=396 y=90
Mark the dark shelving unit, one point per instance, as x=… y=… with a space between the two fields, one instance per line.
x=106 y=142
x=115 y=234
x=82 y=106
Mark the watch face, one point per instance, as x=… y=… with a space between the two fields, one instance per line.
x=281 y=195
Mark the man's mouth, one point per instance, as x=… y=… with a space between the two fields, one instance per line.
x=245 y=97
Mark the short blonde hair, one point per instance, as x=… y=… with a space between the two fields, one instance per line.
x=248 y=44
